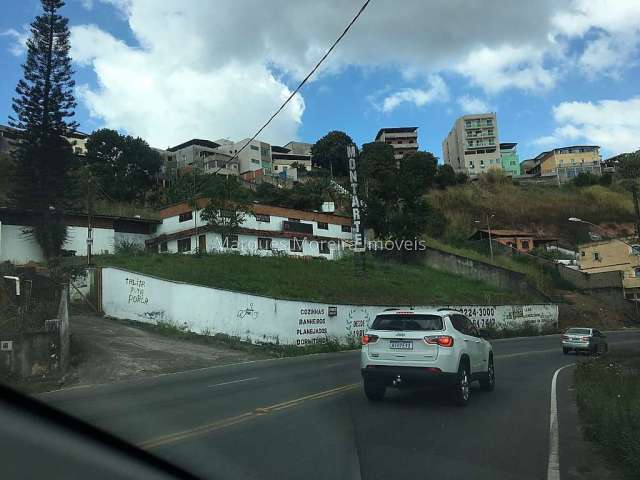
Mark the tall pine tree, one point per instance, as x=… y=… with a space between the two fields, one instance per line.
x=44 y=160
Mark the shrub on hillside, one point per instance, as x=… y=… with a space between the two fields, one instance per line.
x=585 y=180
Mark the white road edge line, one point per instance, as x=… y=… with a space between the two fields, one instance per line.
x=233 y=381
x=553 y=465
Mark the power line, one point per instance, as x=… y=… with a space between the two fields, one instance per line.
x=313 y=70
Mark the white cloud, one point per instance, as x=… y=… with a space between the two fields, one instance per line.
x=496 y=69
x=87 y=4
x=167 y=102
x=611 y=30
x=436 y=91
x=612 y=124
x=470 y=104
x=226 y=47
x=19 y=44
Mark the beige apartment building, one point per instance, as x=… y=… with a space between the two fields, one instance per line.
x=403 y=140
x=568 y=162
x=473 y=146
x=612 y=255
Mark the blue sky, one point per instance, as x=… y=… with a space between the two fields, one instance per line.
x=557 y=73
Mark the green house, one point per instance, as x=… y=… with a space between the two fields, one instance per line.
x=509 y=158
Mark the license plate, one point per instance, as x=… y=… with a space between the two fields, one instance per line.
x=401 y=345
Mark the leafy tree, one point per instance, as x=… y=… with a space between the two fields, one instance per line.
x=330 y=152
x=124 y=166
x=44 y=160
x=629 y=165
x=446 y=176
x=227 y=208
x=393 y=192
x=420 y=168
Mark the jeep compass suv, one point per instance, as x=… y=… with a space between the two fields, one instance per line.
x=415 y=348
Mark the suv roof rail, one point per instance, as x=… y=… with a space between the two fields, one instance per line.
x=448 y=310
x=390 y=309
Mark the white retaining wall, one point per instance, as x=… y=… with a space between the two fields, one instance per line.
x=210 y=311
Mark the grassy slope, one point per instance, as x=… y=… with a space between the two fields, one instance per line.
x=608 y=396
x=542 y=209
x=316 y=280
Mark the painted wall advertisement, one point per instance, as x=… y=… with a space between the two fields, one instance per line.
x=259 y=319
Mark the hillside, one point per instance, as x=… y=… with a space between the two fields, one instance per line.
x=385 y=283
x=541 y=209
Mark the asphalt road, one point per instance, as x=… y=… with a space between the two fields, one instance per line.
x=306 y=417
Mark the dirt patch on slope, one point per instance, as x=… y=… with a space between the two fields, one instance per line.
x=106 y=351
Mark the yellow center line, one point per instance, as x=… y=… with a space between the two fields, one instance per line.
x=227 y=422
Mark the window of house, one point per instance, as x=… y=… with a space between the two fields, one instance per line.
x=184 y=245
x=264 y=243
x=163 y=247
x=346 y=228
x=230 y=241
x=323 y=226
x=489 y=121
x=525 y=244
x=596 y=256
x=253 y=160
x=254 y=147
x=635 y=249
x=582 y=253
x=295 y=245
x=263 y=218
x=185 y=217
x=637 y=272
x=323 y=247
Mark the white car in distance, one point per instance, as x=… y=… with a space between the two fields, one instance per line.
x=417 y=348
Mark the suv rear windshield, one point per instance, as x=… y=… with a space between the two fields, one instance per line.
x=580 y=331
x=407 y=322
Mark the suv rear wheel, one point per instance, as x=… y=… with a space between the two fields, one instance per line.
x=488 y=383
x=461 y=389
x=374 y=391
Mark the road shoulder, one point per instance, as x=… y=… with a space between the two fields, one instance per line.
x=580 y=459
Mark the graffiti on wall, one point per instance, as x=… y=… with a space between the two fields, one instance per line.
x=136 y=290
x=248 y=312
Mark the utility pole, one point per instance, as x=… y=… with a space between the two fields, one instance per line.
x=195 y=207
x=489 y=230
x=89 y=216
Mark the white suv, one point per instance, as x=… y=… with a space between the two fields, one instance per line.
x=414 y=348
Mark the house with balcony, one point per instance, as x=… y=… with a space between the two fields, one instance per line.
x=566 y=163
x=267 y=230
x=472 y=146
x=404 y=140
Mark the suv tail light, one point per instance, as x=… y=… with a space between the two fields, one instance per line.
x=441 y=340
x=367 y=339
